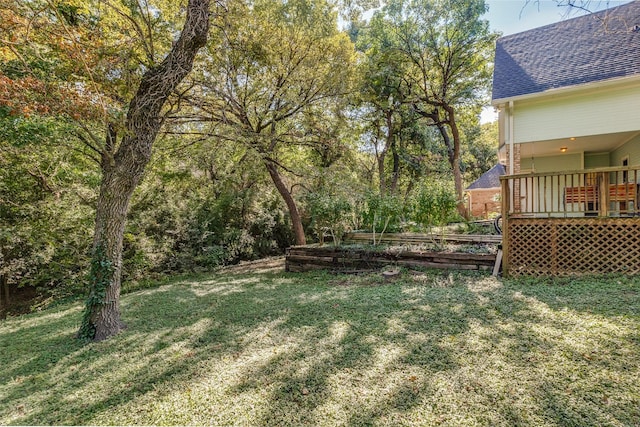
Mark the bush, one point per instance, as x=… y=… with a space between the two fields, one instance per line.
x=382 y=213
x=329 y=213
x=434 y=205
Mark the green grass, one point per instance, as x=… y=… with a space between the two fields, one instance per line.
x=269 y=348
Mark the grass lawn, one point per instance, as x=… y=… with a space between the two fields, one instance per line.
x=264 y=347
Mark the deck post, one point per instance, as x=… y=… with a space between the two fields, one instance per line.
x=506 y=197
x=603 y=189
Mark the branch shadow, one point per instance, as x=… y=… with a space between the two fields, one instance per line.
x=312 y=349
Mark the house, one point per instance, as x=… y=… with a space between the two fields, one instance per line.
x=483 y=195
x=568 y=96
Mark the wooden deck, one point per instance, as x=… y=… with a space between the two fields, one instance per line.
x=571 y=223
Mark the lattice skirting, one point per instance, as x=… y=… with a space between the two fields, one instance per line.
x=573 y=246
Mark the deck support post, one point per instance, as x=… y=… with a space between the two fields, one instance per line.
x=603 y=189
x=506 y=206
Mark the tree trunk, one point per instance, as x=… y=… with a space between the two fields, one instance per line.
x=296 y=221
x=103 y=305
x=382 y=183
x=4 y=289
x=396 y=167
x=123 y=169
x=457 y=179
x=455 y=162
x=453 y=150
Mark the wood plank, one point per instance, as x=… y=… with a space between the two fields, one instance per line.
x=303 y=259
x=496 y=267
x=412 y=238
x=438 y=265
x=296 y=257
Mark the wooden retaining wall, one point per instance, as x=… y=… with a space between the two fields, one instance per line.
x=306 y=258
x=419 y=238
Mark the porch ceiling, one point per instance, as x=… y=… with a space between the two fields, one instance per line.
x=586 y=144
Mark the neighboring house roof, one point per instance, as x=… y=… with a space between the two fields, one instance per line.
x=489 y=179
x=591 y=48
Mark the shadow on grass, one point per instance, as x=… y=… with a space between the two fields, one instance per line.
x=265 y=349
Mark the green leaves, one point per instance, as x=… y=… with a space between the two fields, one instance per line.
x=100 y=276
x=272 y=62
x=329 y=213
x=382 y=213
x=434 y=205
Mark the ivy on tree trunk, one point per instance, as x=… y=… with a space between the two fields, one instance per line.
x=122 y=169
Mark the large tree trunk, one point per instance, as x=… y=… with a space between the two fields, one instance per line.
x=123 y=168
x=4 y=294
x=103 y=315
x=395 y=176
x=453 y=150
x=389 y=143
x=382 y=182
x=455 y=162
x=296 y=221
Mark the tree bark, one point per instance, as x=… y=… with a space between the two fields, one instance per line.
x=396 y=167
x=388 y=144
x=123 y=169
x=453 y=150
x=455 y=161
x=382 y=182
x=4 y=288
x=296 y=221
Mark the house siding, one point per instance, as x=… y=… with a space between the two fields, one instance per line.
x=565 y=162
x=599 y=160
x=549 y=119
x=631 y=149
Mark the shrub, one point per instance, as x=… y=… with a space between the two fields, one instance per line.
x=382 y=213
x=329 y=213
x=433 y=205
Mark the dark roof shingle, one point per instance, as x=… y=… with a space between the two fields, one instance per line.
x=489 y=179
x=590 y=48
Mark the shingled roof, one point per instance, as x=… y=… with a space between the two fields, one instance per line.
x=595 y=47
x=489 y=179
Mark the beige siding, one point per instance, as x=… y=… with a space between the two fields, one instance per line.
x=595 y=113
x=631 y=149
x=565 y=162
x=599 y=160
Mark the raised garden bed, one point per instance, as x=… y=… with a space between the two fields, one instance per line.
x=356 y=259
x=420 y=238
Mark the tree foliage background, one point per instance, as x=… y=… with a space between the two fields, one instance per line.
x=293 y=121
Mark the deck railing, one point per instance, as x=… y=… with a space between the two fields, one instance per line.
x=602 y=192
x=576 y=222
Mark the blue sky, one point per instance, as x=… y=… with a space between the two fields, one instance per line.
x=512 y=16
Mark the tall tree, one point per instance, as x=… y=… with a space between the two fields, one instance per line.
x=448 y=47
x=123 y=164
x=275 y=61
x=382 y=96
x=108 y=64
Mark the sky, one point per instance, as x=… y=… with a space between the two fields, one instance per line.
x=514 y=16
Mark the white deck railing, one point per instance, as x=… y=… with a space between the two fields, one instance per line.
x=603 y=192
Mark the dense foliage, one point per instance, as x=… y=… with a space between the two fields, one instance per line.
x=288 y=129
